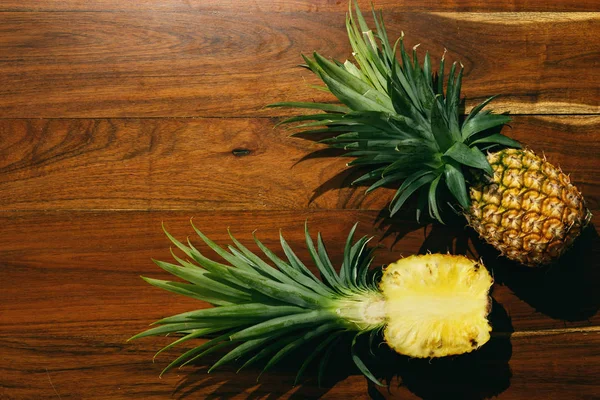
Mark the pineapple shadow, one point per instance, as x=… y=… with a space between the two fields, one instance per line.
x=449 y=377
x=566 y=290
x=273 y=384
x=341 y=180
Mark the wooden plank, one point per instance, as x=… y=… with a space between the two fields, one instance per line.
x=83 y=268
x=231 y=63
x=298 y=5
x=223 y=164
x=102 y=366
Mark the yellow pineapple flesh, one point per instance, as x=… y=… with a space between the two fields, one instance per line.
x=436 y=305
x=529 y=210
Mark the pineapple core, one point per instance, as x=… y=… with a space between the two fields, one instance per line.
x=436 y=305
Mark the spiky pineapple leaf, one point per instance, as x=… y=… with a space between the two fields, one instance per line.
x=296 y=321
x=293 y=273
x=299 y=341
x=471 y=156
x=197 y=352
x=245 y=310
x=409 y=186
x=245 y=348
x=346 y=269
x=360 y=364
x=393 y=98
x=455 y=181
x=296 y=263
x=433 y=206
x=440 y=129
x=497 y=139
x=279 y=291
x=326 y=270
x=191 y=290
x=201 y=278
x=266 y=351
x=477 y=109
x=263 y=310
x=483 y=122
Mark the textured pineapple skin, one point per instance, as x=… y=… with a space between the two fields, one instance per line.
x=436 y=305
x=529 y=210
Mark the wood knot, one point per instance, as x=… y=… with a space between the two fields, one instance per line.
x=240 y=152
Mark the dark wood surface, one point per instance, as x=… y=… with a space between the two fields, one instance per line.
x=118 y=116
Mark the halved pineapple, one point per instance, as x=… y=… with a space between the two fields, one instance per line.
x=436 y=305
x=427 y=306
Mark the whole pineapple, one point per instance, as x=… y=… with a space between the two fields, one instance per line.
x=427 y=306
x=530 y=211
x=398 y=122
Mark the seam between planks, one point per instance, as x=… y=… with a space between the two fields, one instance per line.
x=547 y=332
x=266 y=117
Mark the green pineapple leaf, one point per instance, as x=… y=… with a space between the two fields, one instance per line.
x=391 y=100
x=470 y=156
x=264 y=312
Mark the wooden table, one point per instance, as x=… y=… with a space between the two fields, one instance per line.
x=116 y=116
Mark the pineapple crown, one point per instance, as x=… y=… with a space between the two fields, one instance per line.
x=265 y=313
x=397 y=120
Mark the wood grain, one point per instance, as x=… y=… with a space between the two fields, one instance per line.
x=105 y=367
x=223 y=164
x=117 y=116
x=89 y=264
x=145 y=63
x=298 y=5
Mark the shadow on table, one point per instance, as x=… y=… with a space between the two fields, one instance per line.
x=229 y=385
x=274 y=384
x=566 y=290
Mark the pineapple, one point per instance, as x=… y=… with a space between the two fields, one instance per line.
x=399 y=124
x=530 y=211
x=427 y=305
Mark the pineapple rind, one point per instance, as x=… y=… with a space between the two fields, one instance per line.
x=529 y=210
x=436 y=305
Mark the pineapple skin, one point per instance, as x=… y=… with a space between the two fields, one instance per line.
x=436 y=305
x=529 y=210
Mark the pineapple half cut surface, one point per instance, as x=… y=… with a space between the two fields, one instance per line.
x=266 y=307
x=402 y=123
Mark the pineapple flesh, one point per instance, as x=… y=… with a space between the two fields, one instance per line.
x=529 y=209
x=402 y=123
x=436 y=305
x=426 y=306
